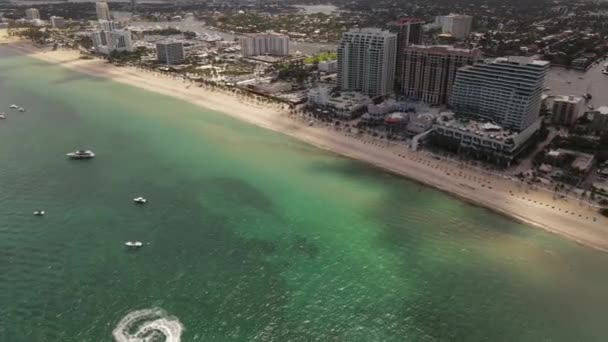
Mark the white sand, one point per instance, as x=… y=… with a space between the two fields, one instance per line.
x=569 y=218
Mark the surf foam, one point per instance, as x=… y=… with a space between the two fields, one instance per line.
x=148 y=325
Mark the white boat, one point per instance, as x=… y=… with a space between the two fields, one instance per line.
x=133 y=244
x=14 y=106
x=81 y=154
x=140 y=200
x=39 y=212
x=21 y=109
x=2 y=116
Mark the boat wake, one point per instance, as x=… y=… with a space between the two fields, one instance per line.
x=148 y=325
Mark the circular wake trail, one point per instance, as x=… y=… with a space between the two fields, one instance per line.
x=148 y=325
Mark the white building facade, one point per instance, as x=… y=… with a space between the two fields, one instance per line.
x=32 y=14
x=103 y=10
x=264 y=44
x=506 y=91
x=366 y=61
x=57 y=22
x=457 y=25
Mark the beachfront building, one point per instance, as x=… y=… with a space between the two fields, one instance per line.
x=319 y=96
x=103 y=11
x=429 y=71
x=409 y=32
x=57 y=22
x=269 y=43
x=32 y=14
x=506 y=91
x=482 y=140
x=366 y=61
x=567 y=109
x=456 y=25
x=170 y=52
x=121 y=40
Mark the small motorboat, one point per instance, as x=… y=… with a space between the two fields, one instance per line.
x=133 y=244
x=81 y=154
x=140 y=200
x=2 y=116
x=14 y=106
x=21 y=109
x=39 y=212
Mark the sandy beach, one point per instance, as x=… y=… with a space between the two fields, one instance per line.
x=568 y=217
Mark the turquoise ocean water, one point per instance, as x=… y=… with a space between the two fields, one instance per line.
x=251 y=235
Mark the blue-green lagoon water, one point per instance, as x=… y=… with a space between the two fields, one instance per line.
x=251 y=235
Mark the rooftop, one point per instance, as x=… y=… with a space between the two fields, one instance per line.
x=482 y=129
x=568 y=98
x=444 y=50
x=406 y=21
x=519 y=60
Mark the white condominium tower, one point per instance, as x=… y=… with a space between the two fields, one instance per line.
x=169 y=52
x=366 y=61
x=32 y=14
x=505 y=90
x=429 y=71
x=103 y=11
x=459 y=26
x=256 y=44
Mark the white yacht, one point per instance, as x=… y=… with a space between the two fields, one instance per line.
x=21 y=109
x=140 y=200
x=133 y=244
x=81 y=154
x=14 y=106
x=2 y=116
x=39 y=212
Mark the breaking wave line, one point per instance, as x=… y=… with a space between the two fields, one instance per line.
x=148 y=325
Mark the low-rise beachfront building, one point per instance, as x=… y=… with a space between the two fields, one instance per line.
x=346 y=104
x=319 y=96
x=481 y=139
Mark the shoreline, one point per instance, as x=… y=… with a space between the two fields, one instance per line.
x=569 y=218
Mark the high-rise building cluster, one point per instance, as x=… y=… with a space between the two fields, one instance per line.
x=498 y=98
x=269 y=43
x=108 y=38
